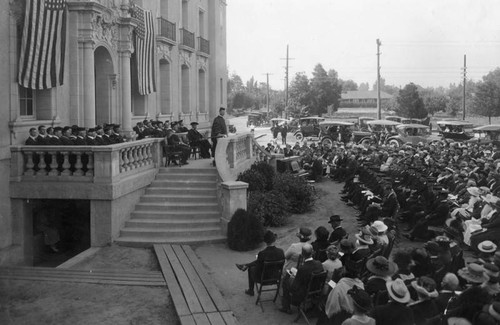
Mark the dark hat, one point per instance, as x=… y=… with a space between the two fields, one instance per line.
x=304 y=232
x=346 y=244
x=91 y=130
x=380 y=265
x=194 y=123
x=116 y=126
x=335 y=218
x=360 y=298
x=173 y=124
x=80 y=129
x=98 y=127
x=494 y=310
x=66 y=128
x=270 y=237
x=58 y=128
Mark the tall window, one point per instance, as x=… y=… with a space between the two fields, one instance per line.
x=185 y=14
x=164 y=8
x=26 y=102
x=201 y=91
x=185 y=89
x=165 y=87
x=201 y=23
x=138 y=101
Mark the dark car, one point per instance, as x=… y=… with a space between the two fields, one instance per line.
x=455 y=130
x=486 y=134
x=335 y=131
x=308 y=127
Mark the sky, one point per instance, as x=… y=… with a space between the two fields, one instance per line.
x=423 y=41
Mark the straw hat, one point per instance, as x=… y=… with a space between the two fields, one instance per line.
x=474 y=191
x=398 y=291
x=487 y=246
x=379 y=225
x=494 y=310
x=381 y=266
x=473 y=273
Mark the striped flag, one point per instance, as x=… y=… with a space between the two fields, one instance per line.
x=144 y=50
x=41 y=64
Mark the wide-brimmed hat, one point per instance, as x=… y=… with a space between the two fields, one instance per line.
x=364 y=236
x=474 y=191
x=496 y=258
x=360 y=298
x=270 y=237
x=425 y=286
x=473 y=273
x=492 y=271
x=398 y=291
x=487 y=246
x=379 y=225
x=381 y=266
x=304 y=233
x=494 y=310
x=335 y=218
x=194 y=123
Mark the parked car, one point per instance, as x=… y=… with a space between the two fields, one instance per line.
x=362 y=126
x=377 y=130
x=409 y=133
x=486 y=134
x=257 y=119
x=308 y=127
x=335 y=131
x=455 y=130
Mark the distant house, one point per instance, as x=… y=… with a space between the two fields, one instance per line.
x=360 y=98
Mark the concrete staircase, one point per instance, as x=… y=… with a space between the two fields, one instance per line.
x=179 y=207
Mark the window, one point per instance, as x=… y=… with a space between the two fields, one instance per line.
x=165 y=87
x=201 y=24
x=185 y=14
x=26 y=102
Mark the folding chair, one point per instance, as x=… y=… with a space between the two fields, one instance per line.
x=271 y=276
x=195 y=150
x=313 y=294
x=171 y=155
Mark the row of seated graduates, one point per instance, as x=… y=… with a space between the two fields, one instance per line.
x=157 y=129
x=75 y=135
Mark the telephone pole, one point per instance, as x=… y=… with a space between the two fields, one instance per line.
x=286 y=81
x=379 y=107
x=465 y=80
x=267 y=98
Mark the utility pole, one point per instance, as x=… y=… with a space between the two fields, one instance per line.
x=267 y=99
x=379 y=106
x=465 y=80
x=286 y=81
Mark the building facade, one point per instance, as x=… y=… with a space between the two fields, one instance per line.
x=359 y=98
x=100 y=82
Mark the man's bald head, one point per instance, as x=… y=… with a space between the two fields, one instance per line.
x=307 y=251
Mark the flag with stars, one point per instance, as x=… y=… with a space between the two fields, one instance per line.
x=43 y=44
x=144 y=50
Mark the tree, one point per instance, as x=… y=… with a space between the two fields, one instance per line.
x=434 y=100
x=410 y=104
x=300 y=90
x=325 y=90
x=392 y=90
x=364 y=86
x=487 y=99
x=348 y=85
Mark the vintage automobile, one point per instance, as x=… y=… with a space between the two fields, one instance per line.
x=409 y=133
x=257 y=119
x=455 y=130
x=278 y=121
x=486 y=134
x=335 y=131
x=395 y=118
x=361 y=123
x=377 y=131
x=307 y=127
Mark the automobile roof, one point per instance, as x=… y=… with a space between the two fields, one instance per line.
x=492 y=127
x=279 y=119
x=332 y=122
x=462 y=123
x=382 y=122
x=412 y=126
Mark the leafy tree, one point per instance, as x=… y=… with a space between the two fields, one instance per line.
x=392 y=90
x=487 y=99
x=434 y=100
x=325 y=89
x=456 y=94
x=410 y=104
x=234 y=84
x=300 y=90
x=348 y=85
x=364 y=86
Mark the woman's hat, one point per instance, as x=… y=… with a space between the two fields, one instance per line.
x=473 y=273
x=474 y=191
x=492 y=271
x=304 y=233
x=360 y=298
x=425 y=286
x=494 y=310
x=398 y=291
x=364 y=236
x=487 y=246
x=381 y=266
x=270 y=237
x=379 y=225
x=496 y=258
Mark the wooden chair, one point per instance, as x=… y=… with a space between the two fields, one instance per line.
x=195 y=150
x=270 y=277
x=313 y=294
x=171 y=155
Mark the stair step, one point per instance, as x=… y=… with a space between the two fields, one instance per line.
x=178 y=198
x=134 y=241
x=180 y=191
x=173 y=206
x=180 y=177
x=172 y=224
x=153 y=232
x=183 y=184
x=175 y=215
x=187 y=171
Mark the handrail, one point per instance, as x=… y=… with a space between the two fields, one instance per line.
x=166 y=28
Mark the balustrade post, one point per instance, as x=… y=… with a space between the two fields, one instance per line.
x=123 y=160
x=41 y=165
x=78 y=165
x=66 y=165
x=90 y=164
x=53 y=164
x=29 y=163
x=140 y=156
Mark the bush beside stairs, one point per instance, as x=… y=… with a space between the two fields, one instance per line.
x=179 y=207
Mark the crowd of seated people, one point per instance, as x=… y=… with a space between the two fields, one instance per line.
x=75 y=135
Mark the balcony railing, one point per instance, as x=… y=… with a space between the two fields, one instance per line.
x=203 y=45
x=187 y=38
x=166 y=29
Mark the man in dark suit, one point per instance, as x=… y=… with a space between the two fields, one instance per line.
x=196 y=139
x=173 y=140
x=65 y=137
x=98 y=137
x=296 y=290
x=80 y=138
x=32 y=139
x=42 y=138
x=255 y=268
x=490 y=229
x=107 y=136
x=115 y=135
x=219 y=129
x=437 y=216
x=90 y=139
x=338 y=232
x=56 y=139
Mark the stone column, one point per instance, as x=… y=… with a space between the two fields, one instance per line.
x=126 y=92
x=88 y=85
x=234 y=197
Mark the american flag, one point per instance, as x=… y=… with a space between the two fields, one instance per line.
x=144 y=50
x=41 y=64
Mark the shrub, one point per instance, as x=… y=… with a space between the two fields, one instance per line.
x=256 y=181
x=265 y=170
x=296 y=190
x=245 y=231
x=270 y=207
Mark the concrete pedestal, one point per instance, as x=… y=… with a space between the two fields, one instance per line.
x=234 y=197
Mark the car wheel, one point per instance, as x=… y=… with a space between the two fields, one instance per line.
x=299 y=136
x=327 y=142
x=394 y=143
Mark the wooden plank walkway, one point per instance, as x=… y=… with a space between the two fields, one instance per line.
x=196 y=298
x=99 y=276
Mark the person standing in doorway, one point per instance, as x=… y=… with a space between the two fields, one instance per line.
x=219 y=130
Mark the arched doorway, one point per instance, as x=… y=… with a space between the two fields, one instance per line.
x=105 y=86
